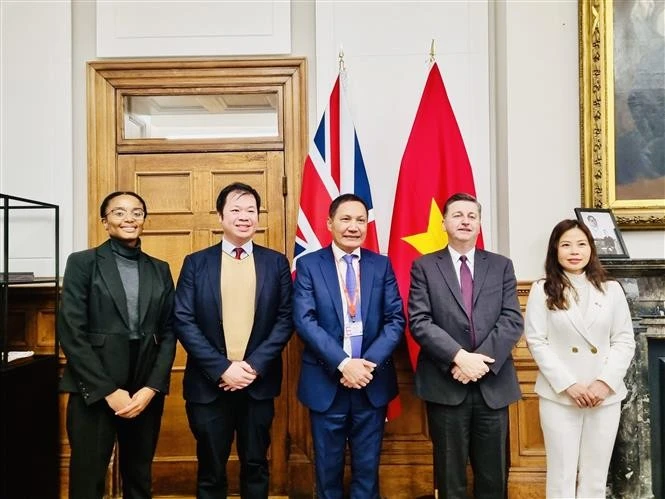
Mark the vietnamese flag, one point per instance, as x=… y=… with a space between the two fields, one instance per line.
x=434 y=167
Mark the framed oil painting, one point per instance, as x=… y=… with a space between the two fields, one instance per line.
x=622 y=106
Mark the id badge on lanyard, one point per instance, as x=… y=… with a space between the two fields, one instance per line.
x=352 y=329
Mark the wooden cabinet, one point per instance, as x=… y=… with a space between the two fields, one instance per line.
x=33 y=432
x=29 y=428
x=28 y=386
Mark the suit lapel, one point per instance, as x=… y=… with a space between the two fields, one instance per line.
x=582 y=320
x=480 y=268
x=146 y=281
x=214 y=271
x=109 y=272
x=445 y=265
x=575 y=317
x=261 y=271
x=331 y=278
x=597 y=301
x=366 y=284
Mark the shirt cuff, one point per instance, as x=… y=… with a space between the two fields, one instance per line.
x=343 y=363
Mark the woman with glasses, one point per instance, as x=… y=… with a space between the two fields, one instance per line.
x=115 y=328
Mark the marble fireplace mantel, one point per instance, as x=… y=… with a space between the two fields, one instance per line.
x=633 y=462
x=631 y=469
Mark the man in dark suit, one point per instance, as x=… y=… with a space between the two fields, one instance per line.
x=464 y=314
x=348 y=312
x=233 y=316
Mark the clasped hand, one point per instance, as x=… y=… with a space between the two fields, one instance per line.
x=357 y=373
x=589 y=396
x=129 y=407
x=470 y=366
x=239 y=375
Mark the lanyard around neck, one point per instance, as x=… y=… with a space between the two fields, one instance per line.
x=351 y=301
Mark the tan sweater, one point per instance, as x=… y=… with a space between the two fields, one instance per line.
x=238 y=286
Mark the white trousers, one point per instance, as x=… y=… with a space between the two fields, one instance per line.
x=578 y=446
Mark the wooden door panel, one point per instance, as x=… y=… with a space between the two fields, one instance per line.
x=181 y=193
x=169 y=246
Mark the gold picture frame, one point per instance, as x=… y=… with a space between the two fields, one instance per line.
x=613 y=119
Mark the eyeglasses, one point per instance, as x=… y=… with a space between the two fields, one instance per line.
x=121 y=214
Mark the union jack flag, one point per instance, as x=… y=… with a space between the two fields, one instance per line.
x=334 y=166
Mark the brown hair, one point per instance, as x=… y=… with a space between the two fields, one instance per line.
x=460 y=196
x=556 y=281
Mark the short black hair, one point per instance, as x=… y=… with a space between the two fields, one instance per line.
x=461 y=196
x=236 y=186
x=105 y=204
x=345 y=198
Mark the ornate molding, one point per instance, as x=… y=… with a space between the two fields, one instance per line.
x=597 y=133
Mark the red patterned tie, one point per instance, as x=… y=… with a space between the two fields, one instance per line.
x=238 y=252
x=466 y=285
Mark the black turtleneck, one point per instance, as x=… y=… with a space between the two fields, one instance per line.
x=127 y=261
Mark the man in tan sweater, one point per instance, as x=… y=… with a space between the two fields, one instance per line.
x=233 y=317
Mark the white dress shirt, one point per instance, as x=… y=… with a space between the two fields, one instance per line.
x=340 y=264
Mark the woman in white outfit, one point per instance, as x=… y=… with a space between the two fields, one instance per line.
x=580 y=334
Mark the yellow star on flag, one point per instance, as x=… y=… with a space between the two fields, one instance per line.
x=435 y=238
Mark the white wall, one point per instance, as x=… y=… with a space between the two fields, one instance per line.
x=525 y=86
x=541 y=128
x=186 y=28
x=386 y=47
x=539 y=131
x=36 y=127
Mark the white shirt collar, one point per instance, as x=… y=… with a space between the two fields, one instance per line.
x=469 y=256
x=338 y=253
x=228 y=248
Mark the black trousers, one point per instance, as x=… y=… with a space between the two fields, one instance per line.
x=214 y=425
x=469 y=431
x=92 y=432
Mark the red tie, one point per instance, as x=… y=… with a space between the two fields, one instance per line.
x=466 y=286
x=238 y=252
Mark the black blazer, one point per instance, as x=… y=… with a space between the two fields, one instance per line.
x=439 y=324
x=93 y=325
x=199 y=327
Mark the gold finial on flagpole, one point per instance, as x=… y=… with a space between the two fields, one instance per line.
x=432 y=53
x=340 y=56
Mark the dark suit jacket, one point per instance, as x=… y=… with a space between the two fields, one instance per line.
x=439 y=324
x=199 y=327
x=93 y=325
x=317 y=312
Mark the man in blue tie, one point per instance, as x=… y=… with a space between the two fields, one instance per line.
x=348 y=312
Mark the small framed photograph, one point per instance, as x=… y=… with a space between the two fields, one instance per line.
x=606 y=234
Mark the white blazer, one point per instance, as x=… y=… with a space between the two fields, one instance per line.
x=571 y=347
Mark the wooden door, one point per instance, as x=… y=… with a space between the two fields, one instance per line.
x=180 y=179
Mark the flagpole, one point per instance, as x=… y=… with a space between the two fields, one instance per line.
x=432 y=61
x=340 y=56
